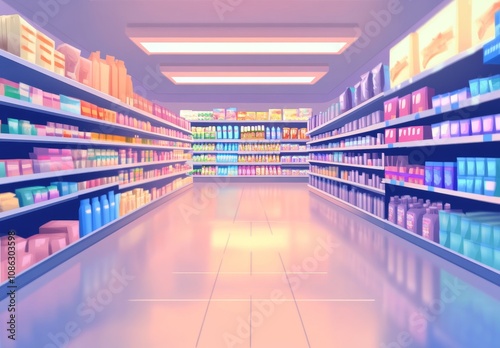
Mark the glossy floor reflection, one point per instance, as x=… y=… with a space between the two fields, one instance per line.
x=263 y=266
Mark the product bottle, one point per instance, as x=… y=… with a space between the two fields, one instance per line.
x=414 y=218
x=236 y=132
x=401 y=212
x=105 y=210
x=112 y=206
x=224 y=132
x=118 y=198
x=219 y=132
x=268 y=133
x=96 y=214
x=278 y=133
x=430 y=224
x=85 y=217
x=273 y=133
x=230 y=132
x=393 y=209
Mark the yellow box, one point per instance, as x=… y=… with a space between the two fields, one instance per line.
x=21 y=38
x=403 y=60
x=483 y=20
x=45 y=48
x=59 y=63
x=290 y=114
x=251 y=116
x=262 y=116
x=275 y=114
x=445 y=35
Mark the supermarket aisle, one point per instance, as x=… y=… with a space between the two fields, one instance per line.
x=193 y=272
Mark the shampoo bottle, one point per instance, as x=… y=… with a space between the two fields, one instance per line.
x=430 y=224
x=401 y=212
x=278 y=133
x=105 y=210
x=85 y=217
x=219 y=132
x=393 y=209
x=112 y=205
x=230 y=132
x=96 y=214
x=273 y=133
x=268 y=133
x=414 y=218
x=224 y=132
x=236 y=132
x=118 y=198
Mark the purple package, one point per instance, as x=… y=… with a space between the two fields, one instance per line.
x=450 y=175
x=366 y=86
x=422 y=99
x=464 y=128
x=476 y=126
x=380 y=78
x=497 y=123
x=356 y=98
x=488 y=124
x=455 y=129
x=345 y=100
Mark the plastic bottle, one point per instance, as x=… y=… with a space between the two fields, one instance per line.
x=112 y=205
x=401 y=212
x=85 y=217
x=118 y=198
x=96 y=214
x=414 y=218
x=273 y=133
x=268 y=133
x=219 y=132
x=236 y=132
x=230 y=132
x=430 y=224
x=105 y=210
x=224 y=132
x=278 y=133
x=393 y=209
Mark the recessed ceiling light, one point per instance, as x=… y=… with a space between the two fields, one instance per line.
x=296 y=39
x=248 y=75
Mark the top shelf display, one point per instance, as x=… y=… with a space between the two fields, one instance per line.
x=232 y=115
x=103 y=82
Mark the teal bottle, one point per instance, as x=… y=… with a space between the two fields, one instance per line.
x=112 y=204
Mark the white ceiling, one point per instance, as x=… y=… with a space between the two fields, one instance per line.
x=100 y=25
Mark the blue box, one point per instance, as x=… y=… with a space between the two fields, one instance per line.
x=462 y=183
x=444 y=221
x=69 y=104
x=491 y=52
x=438 y=177
x=497 y=24
x=474 y=84
x=493 y=167
x=429 y=174
x=450 y=175
x=471 y=166
x=481 y=166
x=472 y=250
x=461 y=166
x=494 y=83
x=444 y=238
x=484 y=85
x=456 y=243
x=486 y=255
x=478 y=185
x=470 y=184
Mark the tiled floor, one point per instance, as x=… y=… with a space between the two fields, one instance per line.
x=262 y=266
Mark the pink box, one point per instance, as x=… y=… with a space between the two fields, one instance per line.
x=9 y=83
x=417 y=133
x=488 y=124
x=476 y=126
x=4 y=243
x=405 y=105
x=46 y=151
x=36 y=96
x=422 y=99
x=391 y=136
x=445 y=130
x=455 y=129
x=26 y=167
x=403 y=134
x=41 y=130
x=497 y=123
x=12 y=167
x=391 y=109
x=38 y=246
x=47 y=100
x=68 y=227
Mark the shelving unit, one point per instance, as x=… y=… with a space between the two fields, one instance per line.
x=19 y=70
x=286 y=165
x=352 y=183
x=462 y=68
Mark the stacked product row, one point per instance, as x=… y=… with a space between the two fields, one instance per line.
x=248 y=147
x=369 y=202
x=139 y=174
x=228 y=158
x=398 y=168
x=372 y=83
x=358 y=159
x=52 y=129
x=94 y=213
x=24 y=92
x=26 y=196
x=108 y=75
x=248 y=133
x=489 y=124
x=232 y=114
x=354 y=176
x=361 y=123
x=248 y=171
x=366 y=140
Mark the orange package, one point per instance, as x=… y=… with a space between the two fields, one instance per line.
x=286 y=133
x=294 y=133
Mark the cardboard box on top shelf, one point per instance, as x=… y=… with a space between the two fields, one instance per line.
x=241 y=116
x=84 y=71
x=305 y=113
x=95 y=58
x=219 y=114
x=72 y=58
x=483 y=20
x=290 y=114
x=113 y=75
x=262 y=116
x=122 y=80
x=21 y=37
x=105 y=77
x=403 y=60
x=251 y=116
x=45 y=48
x=231 y=114
x=275 y=114
x=445 y=35
x=130 y=91
x=59 y=63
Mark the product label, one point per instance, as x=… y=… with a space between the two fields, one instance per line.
x=426 y=228
x=401 y=219
x=410 y=222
